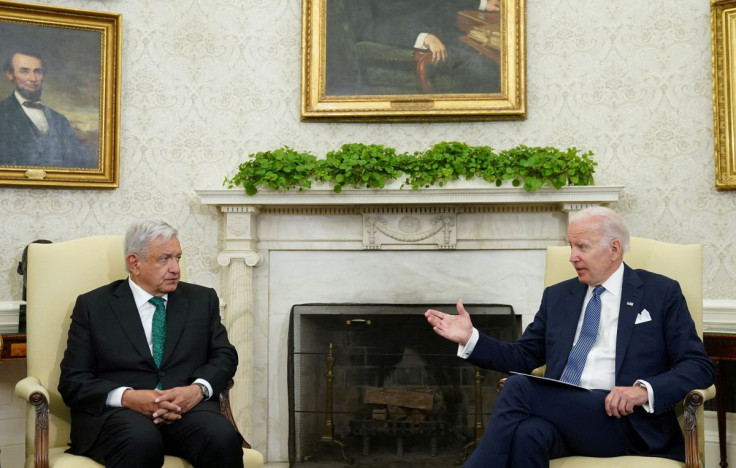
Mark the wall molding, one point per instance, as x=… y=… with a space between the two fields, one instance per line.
x=719 y=314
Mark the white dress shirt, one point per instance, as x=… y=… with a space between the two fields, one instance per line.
x=37 y=116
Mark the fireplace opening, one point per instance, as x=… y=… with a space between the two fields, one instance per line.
x=373 y=384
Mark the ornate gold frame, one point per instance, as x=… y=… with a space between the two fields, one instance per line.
x=69 y=22
x=509 y=104
x=723 y=37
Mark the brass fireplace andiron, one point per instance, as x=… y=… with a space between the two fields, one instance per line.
x=328 y=431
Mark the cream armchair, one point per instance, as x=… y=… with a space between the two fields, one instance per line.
x=683 y=263
x=57 y=274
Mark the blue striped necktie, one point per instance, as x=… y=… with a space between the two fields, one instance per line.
x=586 y=340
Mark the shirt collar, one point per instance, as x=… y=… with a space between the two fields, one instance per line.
x=140 y=296
x=20 y=98
x=614 y=283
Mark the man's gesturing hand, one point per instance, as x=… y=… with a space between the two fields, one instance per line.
x=457 y=328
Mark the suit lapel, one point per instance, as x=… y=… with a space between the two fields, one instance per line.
x=632 y=294
x=577 y=297
x=570 y=308
x=176 y=316
x=126 y=312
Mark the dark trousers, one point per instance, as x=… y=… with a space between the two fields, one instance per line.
x=202 y=437
x=534 y=422
x=470 y=71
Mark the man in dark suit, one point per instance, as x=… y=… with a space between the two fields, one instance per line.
x=142 y=378
x=642 y=357
x=31 y=133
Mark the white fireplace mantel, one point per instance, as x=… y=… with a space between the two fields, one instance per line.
x=393 y=245
x=461 y=192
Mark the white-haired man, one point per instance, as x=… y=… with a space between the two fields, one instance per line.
x=624 y=335
x=146 y=358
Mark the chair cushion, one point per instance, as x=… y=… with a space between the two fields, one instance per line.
x=615 y=462
x=58 y=458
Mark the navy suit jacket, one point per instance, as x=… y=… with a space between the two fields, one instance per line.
x=107 y=349
x=665 y=351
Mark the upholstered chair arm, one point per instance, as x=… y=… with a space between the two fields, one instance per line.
x=26 y=387
x=692 y=402
x=31 y=390
x=227 y=411
x=500 y=384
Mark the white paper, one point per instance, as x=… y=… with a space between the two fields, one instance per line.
x=547 y=379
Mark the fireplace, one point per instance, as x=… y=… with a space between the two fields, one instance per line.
x=373 y=384
x=426 y=247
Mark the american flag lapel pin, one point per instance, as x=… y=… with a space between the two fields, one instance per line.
x=630 y=304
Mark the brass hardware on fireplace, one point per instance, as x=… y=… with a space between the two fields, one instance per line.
x=328 y=431
x=352 y=321
x=478 y=428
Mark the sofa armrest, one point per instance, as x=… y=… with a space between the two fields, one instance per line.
x=31 y=390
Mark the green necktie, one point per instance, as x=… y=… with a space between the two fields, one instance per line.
x=158 y=330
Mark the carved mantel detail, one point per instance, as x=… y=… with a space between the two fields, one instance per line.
x=425 y=226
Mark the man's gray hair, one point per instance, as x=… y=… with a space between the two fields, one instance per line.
x=140 y=234
x=611 y=224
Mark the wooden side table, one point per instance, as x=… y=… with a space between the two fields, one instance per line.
x=13 y=347
x=721 y=346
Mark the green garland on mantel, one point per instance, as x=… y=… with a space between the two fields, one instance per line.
x=373 y=166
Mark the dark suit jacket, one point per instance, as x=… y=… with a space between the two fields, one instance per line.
x=666 y=351
x=21 y=144
x=107 y=349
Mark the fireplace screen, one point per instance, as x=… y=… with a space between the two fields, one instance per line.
x=373 y=385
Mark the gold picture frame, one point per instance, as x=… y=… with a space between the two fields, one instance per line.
x=723 y=34
x=362 y=60
x=71 y=60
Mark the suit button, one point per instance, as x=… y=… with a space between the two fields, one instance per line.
x=161 y=373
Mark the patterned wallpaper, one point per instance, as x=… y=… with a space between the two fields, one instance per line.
x=206 y=82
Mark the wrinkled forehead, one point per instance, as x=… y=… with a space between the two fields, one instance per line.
x=160 y=246
x=586 y=231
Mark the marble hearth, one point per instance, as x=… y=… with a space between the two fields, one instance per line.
x=482 y=244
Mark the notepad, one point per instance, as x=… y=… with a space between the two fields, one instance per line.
x=552 y=381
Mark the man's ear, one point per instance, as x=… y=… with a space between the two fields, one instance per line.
x=132 y=260
x=616 y=250
x=9 y=75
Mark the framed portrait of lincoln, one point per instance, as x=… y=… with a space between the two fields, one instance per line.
x=59 y=96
